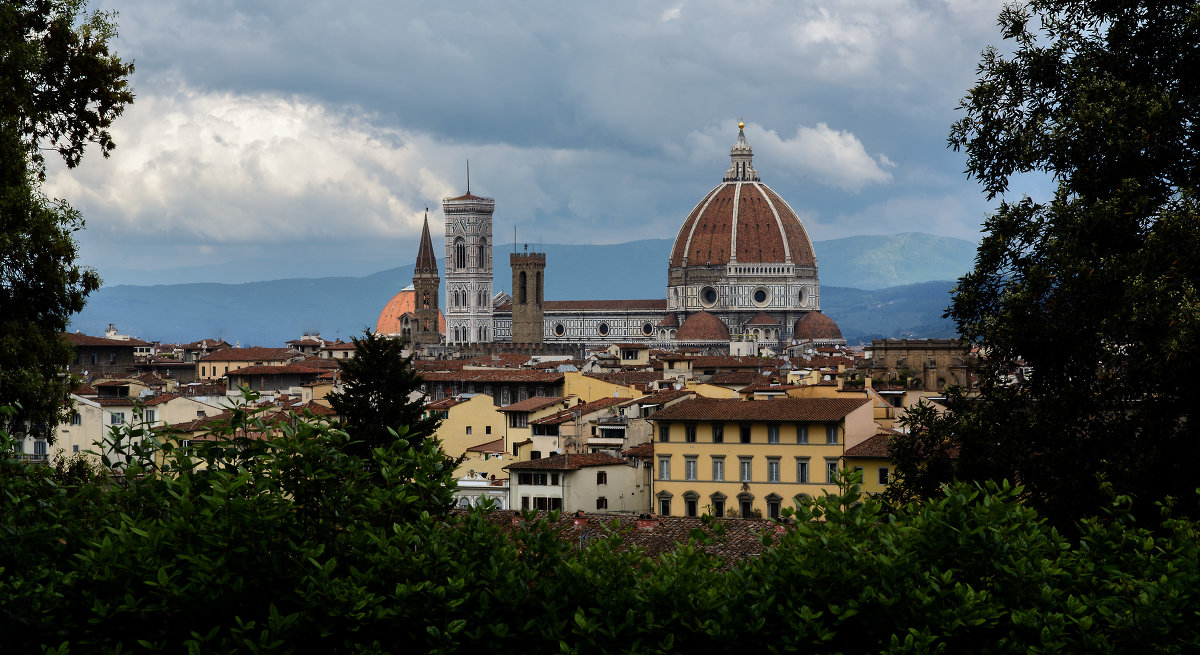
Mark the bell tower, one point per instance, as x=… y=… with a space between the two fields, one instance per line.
x=426 y=284
x=468 y=267
x=528 y=270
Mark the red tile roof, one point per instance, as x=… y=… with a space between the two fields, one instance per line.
x=815 y=325
x=580 y=410
x=762 y=318
x=661 y=398
x=493 y=375
x=566 y=462
x=294 y=368
x=876 y=447
x=702 y=327
x=532 y=404
x=779 y=409
x=496 y=446
x=78 y=339
x=443 y=404
x=251 y=355
x=644 y=451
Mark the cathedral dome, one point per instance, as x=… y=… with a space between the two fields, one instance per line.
x=815 y=326
x=742 y=221
x=702 y=327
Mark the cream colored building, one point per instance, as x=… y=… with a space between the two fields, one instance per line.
x=587 y=481
x=749 y=458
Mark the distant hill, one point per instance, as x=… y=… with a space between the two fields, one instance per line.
x=872 y=286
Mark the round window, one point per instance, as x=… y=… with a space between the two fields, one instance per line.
x=647 y=329
x=708 y=296
x=800 y=297
x=559 y=329
x=760 y=296
x=602 y=329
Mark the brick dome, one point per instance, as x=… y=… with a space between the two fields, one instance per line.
x=391 y=318
x=702 y=327
x=815 y=326
x=742 y=221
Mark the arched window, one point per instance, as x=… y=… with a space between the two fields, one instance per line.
x=482 y=254
x=522 y=292
x=460 y=253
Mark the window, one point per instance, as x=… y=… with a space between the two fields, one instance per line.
x=883 y=475
x=522 y=394
x=831 y=469
x=718 y=431
x=718 y=469
x=664 y=432
x=601 y=503
x=689 y=433
x=664 y=468
x=773 y=505
x=601 y=477
x=200 y=413
x=539 y=479
x=116 y=418
x=745 y=507
x=487 y=429
x=772 y=434
x=664 y=506
x=689 y=468
x=75 y=448
x=689 y=506
x=524 y=502
x=76 y=419
x=468 y=430
x=718 y=506
x=554 y=479
x=801 y=433
x=744 y=469
x=772 y=469
x=150 y=415
x=802 y=470
x=506 y=398
x=525 y=478
x=745 y=434
x=831 y=434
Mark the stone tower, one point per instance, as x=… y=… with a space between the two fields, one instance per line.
x=426 y=283
x=527 y=296
x=468 y=268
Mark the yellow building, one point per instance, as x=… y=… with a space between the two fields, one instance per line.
x=469 y=421
x=748 y=458
x=221 y=362
x=591 y=388
x=870 y=458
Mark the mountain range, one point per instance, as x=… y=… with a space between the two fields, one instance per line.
x=873 y=286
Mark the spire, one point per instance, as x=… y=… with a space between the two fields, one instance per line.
x=426 y=262
x=741 y=158
x=468 y=176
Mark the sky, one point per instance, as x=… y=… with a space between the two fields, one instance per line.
x=274 y=138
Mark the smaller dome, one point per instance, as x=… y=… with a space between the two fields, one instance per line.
x=702 y=327
x=762 y=318
x=815 y=326
x=390 y=319
x=669 y=321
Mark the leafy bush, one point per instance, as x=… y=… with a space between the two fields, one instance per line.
x=286 y=543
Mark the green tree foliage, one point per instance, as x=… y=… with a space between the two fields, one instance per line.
x=287 y=544
x=377 y=383
x=1095 y=287
x=60 y=88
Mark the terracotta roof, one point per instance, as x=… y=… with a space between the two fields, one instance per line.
x=780 y=409
x=644 y=451
x=532 y=404
x=733 y=362
x=402 y=303
x=748 y=209
x=294 y=368
x=639 y=346
x=349 y=345
x=762 y=318
x=566 y=462
x=493 y=375
x=444 y=404
x=496 y=446
x=129 y=401
x=84 y=390
x=661 y=398
x=627 y=378
x=251 y=355
x=575 y=305
x=582 y=410
x=670 y=320
x=509 y=360
x=468 y=196
x=875 y=447
x=735 y=377
x=702 y=326
x=815 y=325
x=740 y=539
x=78 y=339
